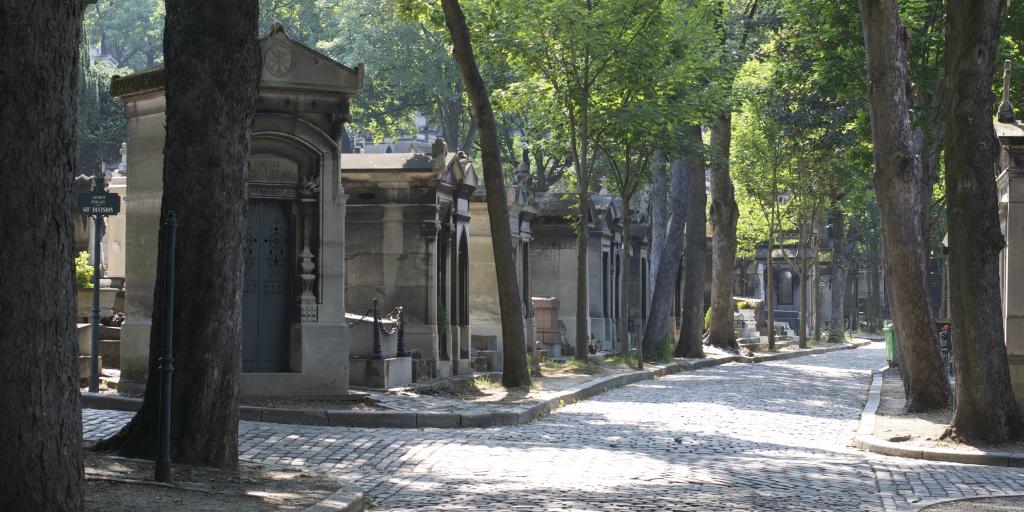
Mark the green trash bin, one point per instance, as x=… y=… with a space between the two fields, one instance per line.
x=890 y=346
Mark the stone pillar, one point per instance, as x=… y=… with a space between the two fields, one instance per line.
x=1011 y=213
x=529 y=322
x=113 y=252
x=1011 y=220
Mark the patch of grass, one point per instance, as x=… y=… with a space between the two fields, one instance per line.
x=620 y=360
x=567 y=364
x=487 y=383
x=668 y=351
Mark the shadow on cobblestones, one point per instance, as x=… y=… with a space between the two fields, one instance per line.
x=770 y=436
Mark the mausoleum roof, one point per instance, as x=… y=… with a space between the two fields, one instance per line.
x=1009 y=130
x=454 y=168
x=287 y=65
x=556 y=205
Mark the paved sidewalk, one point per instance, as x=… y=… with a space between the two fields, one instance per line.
x=770 y=436
x=414 y=410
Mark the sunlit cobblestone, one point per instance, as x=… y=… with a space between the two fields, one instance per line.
x=773 y=436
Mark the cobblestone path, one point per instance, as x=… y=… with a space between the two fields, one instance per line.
x=770 y=436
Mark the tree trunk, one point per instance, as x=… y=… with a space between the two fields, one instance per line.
x=212 y=70
x=515 y=371
x=874 y=312
x=855 y=299
x=659 y=219
x=770 y=290
x=815 y=305
x=843 y=243
x=898 y=176
x=804 y=321
x=624 y=277
x=451 y=114
x=667 y=271
x=42 y=428
x=724 y=215
x=691 y=333
x=985 y=407
x=467 y=146
x=582 y=275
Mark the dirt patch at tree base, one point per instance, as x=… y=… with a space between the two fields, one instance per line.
x=364 y=403
x=921 y=430
x=555 y=376
x=115 y=484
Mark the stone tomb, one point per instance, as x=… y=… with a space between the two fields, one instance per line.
x=485 y=317
x=1011 y=215
x=553 y=258
x=295 y=340
x=408 y=246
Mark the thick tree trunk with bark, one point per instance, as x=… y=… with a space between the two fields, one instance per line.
x=985 y=406
x=724 y=215
x=898 y=176
x=515 y=371
x=667 y=271
x=843 y=243
x=41 y=422
x=212 y=77
x=691 y=339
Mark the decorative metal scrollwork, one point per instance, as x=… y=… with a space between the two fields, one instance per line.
x=276 y=249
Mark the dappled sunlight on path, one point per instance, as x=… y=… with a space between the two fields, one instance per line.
x=770 y=436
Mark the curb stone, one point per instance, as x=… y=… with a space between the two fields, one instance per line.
x=473 y=419
x=343 y=500
x=867 y=441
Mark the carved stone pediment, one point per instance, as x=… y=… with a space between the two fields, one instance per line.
x=288 y=64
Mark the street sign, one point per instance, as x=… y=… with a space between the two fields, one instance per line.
x=98 y=203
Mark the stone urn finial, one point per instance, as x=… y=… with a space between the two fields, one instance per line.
x=440 y=148
x=1005 y=114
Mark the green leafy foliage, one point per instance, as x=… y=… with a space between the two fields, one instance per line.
x=409 y=68
x=131 y=32
x=83 y=271
x=101 y=124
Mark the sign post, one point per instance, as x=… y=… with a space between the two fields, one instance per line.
x=98 y=203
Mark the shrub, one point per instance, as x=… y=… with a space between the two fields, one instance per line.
x=83 y=271
x=833 y=336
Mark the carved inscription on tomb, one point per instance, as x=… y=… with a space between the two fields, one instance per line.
x=273 y=170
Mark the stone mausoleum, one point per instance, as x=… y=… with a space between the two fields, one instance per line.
x=1011 y=216
x=295 y=338
x=486 y=348
x=553 y=257
x=408 y=246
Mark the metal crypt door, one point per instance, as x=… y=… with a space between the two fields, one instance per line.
x=266 y=290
